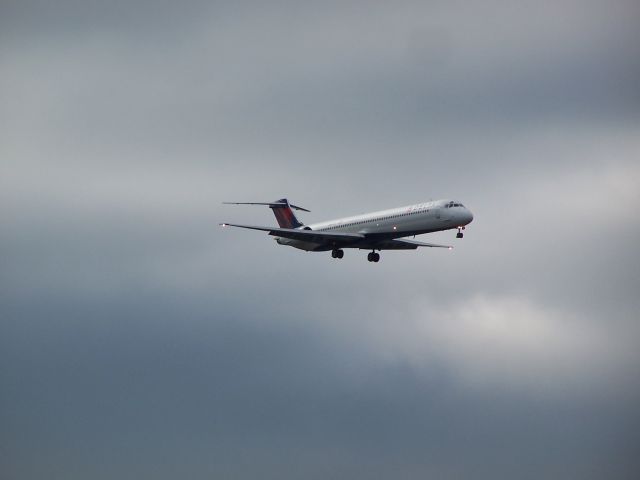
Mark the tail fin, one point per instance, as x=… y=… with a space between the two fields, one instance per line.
x=282 y=209
x=284 y=215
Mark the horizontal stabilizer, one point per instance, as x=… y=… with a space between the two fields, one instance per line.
x=270 y=204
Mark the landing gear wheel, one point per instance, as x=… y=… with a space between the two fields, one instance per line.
x=337 y=253
x=459 y=234
x=373 y=257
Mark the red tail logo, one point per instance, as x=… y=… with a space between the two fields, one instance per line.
x=284 y=215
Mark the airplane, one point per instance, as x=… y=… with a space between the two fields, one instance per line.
x=381 y=230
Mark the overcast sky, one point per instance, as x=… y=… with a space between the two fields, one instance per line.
x=140 y=340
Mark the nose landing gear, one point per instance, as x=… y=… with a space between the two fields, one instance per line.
x=459 y=234
x=373 y=257
x=337 y=253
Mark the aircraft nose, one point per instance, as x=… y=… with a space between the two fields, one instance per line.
x=468 y=216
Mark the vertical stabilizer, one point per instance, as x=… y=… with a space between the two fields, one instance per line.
x=284 y=214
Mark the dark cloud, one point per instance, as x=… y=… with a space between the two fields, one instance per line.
x=138 y=339
x=208 y=391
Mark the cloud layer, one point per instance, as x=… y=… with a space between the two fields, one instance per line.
x=138 y=339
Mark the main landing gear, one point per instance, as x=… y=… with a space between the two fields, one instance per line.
x=373 y=257
x=459 y=234
x=337 y=253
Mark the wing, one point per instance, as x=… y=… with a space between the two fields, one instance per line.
x=401 y=244
x=305 y=235
x=357 y=240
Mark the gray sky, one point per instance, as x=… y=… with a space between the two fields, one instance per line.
x=137 y=339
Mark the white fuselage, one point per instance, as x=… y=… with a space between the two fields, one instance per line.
x=432 y=216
